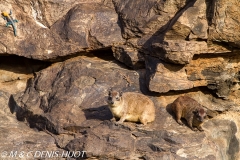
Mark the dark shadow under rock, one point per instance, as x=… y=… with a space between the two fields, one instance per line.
x=101 y=113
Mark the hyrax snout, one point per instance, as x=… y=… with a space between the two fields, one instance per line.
x=131 y=106
x=189 y=109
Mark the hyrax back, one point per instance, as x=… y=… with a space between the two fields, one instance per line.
x=131 y=106
x=189 y=109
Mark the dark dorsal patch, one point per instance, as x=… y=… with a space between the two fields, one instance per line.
x=114 y=93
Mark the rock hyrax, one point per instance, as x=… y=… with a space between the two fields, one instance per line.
x=189 y=109
x=131 y=106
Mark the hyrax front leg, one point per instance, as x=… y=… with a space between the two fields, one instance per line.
x=178 y=114
x=113 y=119
x=190 y=123
x=144 y=119
x=179 y=120
x=122 y=119
x=200 y=128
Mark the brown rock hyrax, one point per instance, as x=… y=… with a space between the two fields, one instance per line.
x=189 y=109
x=131 y=106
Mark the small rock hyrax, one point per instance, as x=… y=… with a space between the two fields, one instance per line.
x=131 y=106
x=189 y=109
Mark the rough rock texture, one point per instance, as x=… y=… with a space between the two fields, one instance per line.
x=179 y=51
x=90 y=26
x=166 y=48
x=221 y=74
x=86 y=26
x=49 y=30
x=73 y=90
x=129 y=56
x=192 y=24
x=225 y=21
x=17 y=139
x=160 y=76
x=70 y=97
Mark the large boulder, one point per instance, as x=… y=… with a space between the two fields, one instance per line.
x=90 y=26
x=70 y=98
x=67 y=93
x=48 y=31
x=178 y=51
x=220 y=74
x=17 y=139
x=174 y=31
x=224 y=19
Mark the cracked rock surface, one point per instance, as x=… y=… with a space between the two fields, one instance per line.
x=70 y=97
x=56 y=73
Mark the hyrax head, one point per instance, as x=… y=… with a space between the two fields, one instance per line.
x=200 y=114
x=114 y=96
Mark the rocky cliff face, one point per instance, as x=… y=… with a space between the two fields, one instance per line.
x=56 y=73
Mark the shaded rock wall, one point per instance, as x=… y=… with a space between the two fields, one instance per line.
x=15 y=72
x=162 y=49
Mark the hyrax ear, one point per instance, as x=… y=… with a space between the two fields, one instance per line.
x=109 y=91
x=120 y=93
x=195 y=111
